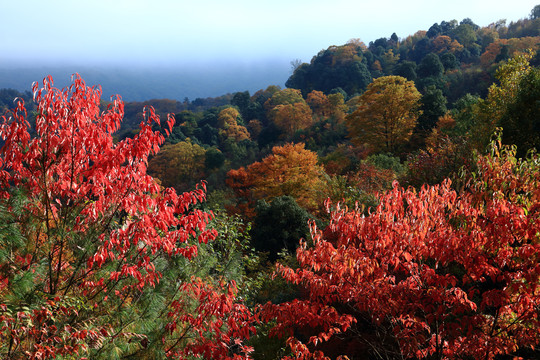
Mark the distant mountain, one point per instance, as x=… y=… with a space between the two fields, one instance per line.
x=155 y=82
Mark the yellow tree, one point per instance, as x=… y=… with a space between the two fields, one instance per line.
x=376 y=66
x=291 y=117
x=288 y=110
x=282 y=97
x=228 y=122
x=489 y=112
x=386 y=114
x=180 y=165
x=338 y=106
x=389 y=60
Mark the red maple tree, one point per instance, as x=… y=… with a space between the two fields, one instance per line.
x=86 y=236
x=431 y=274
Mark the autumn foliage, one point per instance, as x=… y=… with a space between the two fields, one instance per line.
x=290 y=170
x=386 y=114
x=108 y=249
x=291 y=117
x=178 y=165
x=430 y=274
x=87 y=237
x=228 y=122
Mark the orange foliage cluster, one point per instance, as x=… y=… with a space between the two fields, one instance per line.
x=291 y=117
x=444 y=123
x=290 y=170
x=444 y=43
x=515 y=45
x=319 y=103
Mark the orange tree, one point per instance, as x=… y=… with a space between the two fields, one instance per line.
x=291 y=117
x=386 y=114
x=93 y=250
x=427 y=275
x=288 y=110
x=319 y=103
x=290 y=170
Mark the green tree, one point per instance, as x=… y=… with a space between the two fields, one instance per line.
x=535 y=12
x=207 y=134
x=338 y=66
x=491 y=110
x=242 y=100
x=449 y=61
x=430 y=66
x=433 y=107
x=421 y=49
x=447 y=27
x=214 y=159
x=434 y=31
x=521 y=120
x=279 y=225
x=386 y=114
x=389 y=61
x=464 y=115
x=465 y=34
x=407 y=69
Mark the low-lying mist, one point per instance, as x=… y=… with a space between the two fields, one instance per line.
x=138 y=83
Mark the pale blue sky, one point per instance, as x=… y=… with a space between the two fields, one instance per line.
x=149 y=32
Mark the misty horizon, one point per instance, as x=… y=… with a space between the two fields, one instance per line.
x=143 y=49
x=139 y=83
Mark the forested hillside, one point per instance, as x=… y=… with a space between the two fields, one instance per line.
x=384 y=205
x=450 y=68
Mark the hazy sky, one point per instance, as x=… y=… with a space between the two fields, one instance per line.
x=150 y=32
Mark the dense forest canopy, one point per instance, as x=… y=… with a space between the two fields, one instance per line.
x=384 y=205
